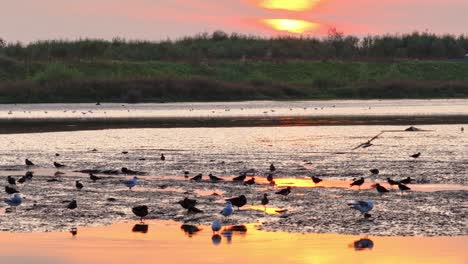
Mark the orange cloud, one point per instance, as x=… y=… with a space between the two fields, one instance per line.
x=295 y=26
x=290 y=5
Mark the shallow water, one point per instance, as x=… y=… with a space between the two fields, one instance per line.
x=238 y=109
x=295 y=151
x=165 y=242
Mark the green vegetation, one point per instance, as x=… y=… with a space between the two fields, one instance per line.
x=222 y=67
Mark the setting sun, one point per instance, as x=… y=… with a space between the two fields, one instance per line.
x=291 y=25
x=292 y=5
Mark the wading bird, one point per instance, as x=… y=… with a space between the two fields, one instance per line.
x=130 y=183
x=357 y=183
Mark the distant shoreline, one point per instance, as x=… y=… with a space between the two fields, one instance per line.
x=40 y=125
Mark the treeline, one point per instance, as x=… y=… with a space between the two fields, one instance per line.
x=220 y=45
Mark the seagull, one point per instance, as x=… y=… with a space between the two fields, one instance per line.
x=316 y=180
x=392 y=182
x=14 y=201
x=415 y=156
x=362 y=206
x=10 y=190
x=284 y=192
x=238 y=201
x=251 y=181
x=163 y=158
x=408 y=180
x=93 y=177
x=381 y=189
x=28 y=162
x=403 y=188
x=357 y=182
x=197 y=178
x=78 y=185
x=216 y=226
x=72 y=205
x=11 y=180
x=374 y=171
x=240 y=178
x=272 y=167
x=227 y=211
x=130 y=183
x=368 y=143
x=140 y=211
x=187 y=203
x=58 y=165
x=214 y=178
x=265 y=200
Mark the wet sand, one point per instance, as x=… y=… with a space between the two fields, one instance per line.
x=434 y=211
x=166 y=242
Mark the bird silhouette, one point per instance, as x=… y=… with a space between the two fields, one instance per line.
x=408 y=180
x=285 y=192
x=72 y=205
x=238 y=201
x=186 y=173
x=140 y=211
x=381 y=189
x=93 y=177
x=197 y=178
x=272 y=167
x=78 y=185
x=125 y=170
x=74 y=231
x=265 y=200
x=357 y=183
x=28 y=162
x=187 y=203
x=270 y=177
x=214 y=178
x=392 y=182
x=374 y=171
x=403 y=188
x=10 y=190
x=58 y=165
x=194 y=210
x=240 y=178
x=316 y=180
x=163 y=158
x=11 y=180
x=415 y=156
x=251 y=181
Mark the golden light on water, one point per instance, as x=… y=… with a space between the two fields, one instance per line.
x=291 y=25
x=291 y=5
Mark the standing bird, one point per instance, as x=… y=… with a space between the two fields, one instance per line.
x=374 y=171
x=392 y=182
x=216 y=226
x=285 y=192
x=408 y=180
x=130 y=183
x=381 y=189
x=78 y=185
x=240 y=178
x=265 y=200
x=403 y=188
x=72 y=205
x=187 y=203
x=11 y=180
x=238 y=201
x=214 y=178
x=251 y=181
x=197 y=178
x=58 y=165
x=74 y=231
x=93 y=177
x=28 y=162
x=357 y=183
x=316 y=180
x=27 y=177
x=272 y=167
x=163 y=158
x=415 y=156
x=10 y=190
x=14 y=201
x=362 y=206
x=140 y=211
x=227 y=211
x=270 y=177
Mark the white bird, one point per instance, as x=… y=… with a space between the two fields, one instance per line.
x=227 y=211
x=14 y=201
x=130 y=183
x=362 y=206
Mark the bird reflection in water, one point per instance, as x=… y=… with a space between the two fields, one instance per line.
x=216 y=239
x=190 y=230
x=362 y=244
x=74 y=231
x=140 y=228
x=230 y=230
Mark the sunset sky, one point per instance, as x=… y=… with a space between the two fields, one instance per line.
x=29 y=20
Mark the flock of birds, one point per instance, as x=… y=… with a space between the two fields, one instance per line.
x=364 y=207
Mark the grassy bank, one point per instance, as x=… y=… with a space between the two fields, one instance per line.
x=146 y=81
